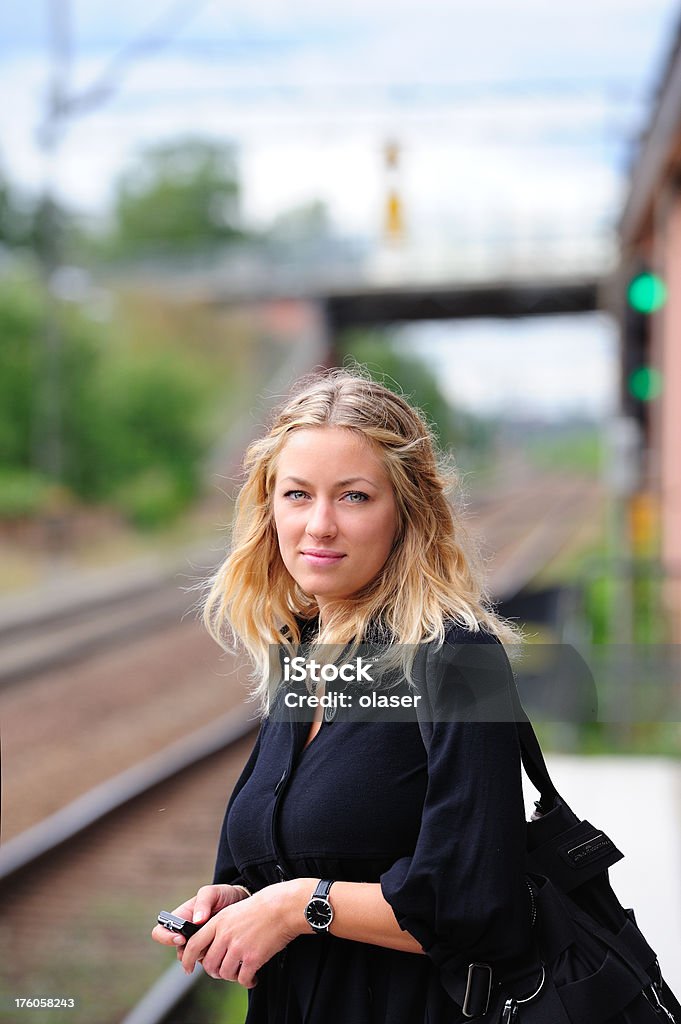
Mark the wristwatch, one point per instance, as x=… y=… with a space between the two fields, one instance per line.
x=319 y=912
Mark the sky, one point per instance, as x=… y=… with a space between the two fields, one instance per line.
x=552 y=364
x=515 y=120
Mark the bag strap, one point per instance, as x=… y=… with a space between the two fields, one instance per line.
x=531 y=753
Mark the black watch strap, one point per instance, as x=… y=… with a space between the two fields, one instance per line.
x=323 y=888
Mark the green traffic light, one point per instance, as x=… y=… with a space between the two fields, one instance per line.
x=647 y=293
x=645 y=383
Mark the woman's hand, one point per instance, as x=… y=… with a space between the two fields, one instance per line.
x=242 y=937
x=209 y=900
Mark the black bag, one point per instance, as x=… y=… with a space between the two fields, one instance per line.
x=591 y=963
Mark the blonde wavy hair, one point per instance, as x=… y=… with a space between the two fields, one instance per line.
x=431 y=576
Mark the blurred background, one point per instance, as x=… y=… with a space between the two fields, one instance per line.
x=199 y=202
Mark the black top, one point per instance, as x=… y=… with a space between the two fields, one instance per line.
x=434 y=812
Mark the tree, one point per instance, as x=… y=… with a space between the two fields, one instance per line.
x=16 y=216
x=469 y=435
x=179 y=196
x=134 y=425
x=36 y=224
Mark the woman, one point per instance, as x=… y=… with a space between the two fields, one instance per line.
x=363 y=865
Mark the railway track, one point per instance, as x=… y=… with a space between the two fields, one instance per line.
x=151 y=828
x=68 y=627
x=80 y=894
x=549 y=523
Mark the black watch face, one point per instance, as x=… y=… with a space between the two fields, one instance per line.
x=319 y=913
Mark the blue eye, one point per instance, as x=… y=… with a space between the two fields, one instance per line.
x=354 y=497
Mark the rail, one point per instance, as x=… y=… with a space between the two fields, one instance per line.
x=30 y=846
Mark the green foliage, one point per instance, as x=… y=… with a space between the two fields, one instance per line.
x=598 y=601
x=216 y=1001
x=19 y=215
x=465 y=433
x=36 y=226
x=22 y=493
x=180 y=196
x=20 y=326
x=604 y=586
x=154 y=497
x=639 y=585
x=133 y=421
x=153 y=401
x=639 y=738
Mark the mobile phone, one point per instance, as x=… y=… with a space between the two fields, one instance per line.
x=178 y=924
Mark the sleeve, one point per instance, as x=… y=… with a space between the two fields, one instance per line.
x=225 y=869
x=462 y=893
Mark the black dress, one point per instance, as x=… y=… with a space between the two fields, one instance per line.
x=439 y=823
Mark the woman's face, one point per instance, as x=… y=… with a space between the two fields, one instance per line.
x=334 y=512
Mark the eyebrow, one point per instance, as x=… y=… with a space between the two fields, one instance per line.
x=339 y=483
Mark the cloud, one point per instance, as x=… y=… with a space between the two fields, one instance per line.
x=311 y=93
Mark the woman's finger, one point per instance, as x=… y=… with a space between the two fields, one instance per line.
x=197 y=946
x=186 y=909
x=166 y=937
x=206 y=902
x=213 y=958
x=245 y=974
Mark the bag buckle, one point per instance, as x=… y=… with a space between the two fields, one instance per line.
x=478 y=990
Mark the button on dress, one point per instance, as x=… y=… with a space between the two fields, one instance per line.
x=435 y=815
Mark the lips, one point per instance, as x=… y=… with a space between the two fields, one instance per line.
x=316 y=556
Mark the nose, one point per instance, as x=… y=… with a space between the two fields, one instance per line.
x=321 y=520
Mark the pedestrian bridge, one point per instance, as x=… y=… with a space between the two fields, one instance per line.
x=354 y=284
